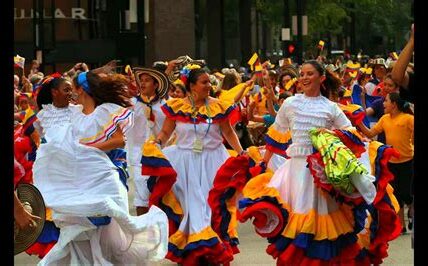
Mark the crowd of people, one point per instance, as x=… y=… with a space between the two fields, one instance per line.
x=319 y=154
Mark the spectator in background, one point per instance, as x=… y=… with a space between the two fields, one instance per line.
x=379 y=71
x=34 y=68
x=398 y=125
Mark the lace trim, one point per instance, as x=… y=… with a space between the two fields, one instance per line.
x=300 y=150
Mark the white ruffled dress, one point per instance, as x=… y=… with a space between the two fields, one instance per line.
x=78 y=181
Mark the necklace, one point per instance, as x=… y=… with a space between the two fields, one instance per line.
x=198 y=144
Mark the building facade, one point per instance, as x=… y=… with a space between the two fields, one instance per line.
x=137 y=32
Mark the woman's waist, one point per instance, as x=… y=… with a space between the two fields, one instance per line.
x=300 y=149
x=205 y=146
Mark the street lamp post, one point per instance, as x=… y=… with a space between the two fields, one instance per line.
x=299 y=46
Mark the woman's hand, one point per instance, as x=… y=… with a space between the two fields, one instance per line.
x=22 y=217
x=325 y=130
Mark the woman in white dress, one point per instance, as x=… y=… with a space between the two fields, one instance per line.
x=200 y=123
x=307 y=219
x=81 y=183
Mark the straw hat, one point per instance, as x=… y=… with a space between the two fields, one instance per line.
x=378 y=61
x=160 y=77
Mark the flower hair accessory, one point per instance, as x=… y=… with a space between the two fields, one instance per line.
x=51 y=77
x=185 y=71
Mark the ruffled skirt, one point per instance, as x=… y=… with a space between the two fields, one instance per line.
x=307 y=224
x=195 y=237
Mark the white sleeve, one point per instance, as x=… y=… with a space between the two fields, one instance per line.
x=281 y=123
x=340 y=121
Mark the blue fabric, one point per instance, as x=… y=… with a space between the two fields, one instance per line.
x=324 y=249
x=192 y=246
x=83 y=82
x=225 y=215
x=99 y=221
x=154 y=161
x=50 y=233
x=118 y=157
x=268 y=120
x=356 y=99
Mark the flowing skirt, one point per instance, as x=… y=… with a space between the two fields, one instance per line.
x=78 y=182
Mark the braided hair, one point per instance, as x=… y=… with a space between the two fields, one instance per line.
x=49 y=83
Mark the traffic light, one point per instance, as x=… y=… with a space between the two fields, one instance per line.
x=291 y=48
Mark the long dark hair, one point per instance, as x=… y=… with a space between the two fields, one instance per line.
x=193 y=76
x=109 y=89
x=330 y=86
x=402 y=105
x=44 y=96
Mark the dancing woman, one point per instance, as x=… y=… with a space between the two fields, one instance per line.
x=200 y=123
x=313 y=209
x=85 y=188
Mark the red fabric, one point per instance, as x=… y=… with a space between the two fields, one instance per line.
x=386 y=175
x=166 y=177
x=388 y=220
x=217 y=254
x=232 y=174
x=257 y=211
x=22 y=146
x=389 y=229
x=378 y=90
x=276 y=150
x=345 y=100
x=356 y=149
x=40 y=249
x=235 y=116
x=356 y=118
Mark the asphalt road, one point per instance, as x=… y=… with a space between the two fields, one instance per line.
x=253 y=247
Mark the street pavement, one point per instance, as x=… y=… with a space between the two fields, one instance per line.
x=253 y=247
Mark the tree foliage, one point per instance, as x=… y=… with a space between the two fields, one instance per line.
x=385 y=20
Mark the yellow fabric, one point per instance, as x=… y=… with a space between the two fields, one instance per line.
x=150 y=149
x=233 y=225
x=394 y=202
x=278 y=136
x=290 y=83
x=229 y=95
x=170 y=200
x=327 y=226
x=232 y=153
x=373 y=146
x=252 y=60
x=48 y=214
x=350 y=107
x=181 y=239
x=261 y=108
x=348 y=93
x=181 y=104
x=364 y=235
x=398 y=133
x=28 y=114
x=254 y=153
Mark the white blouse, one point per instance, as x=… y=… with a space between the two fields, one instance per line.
x=301 y=113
